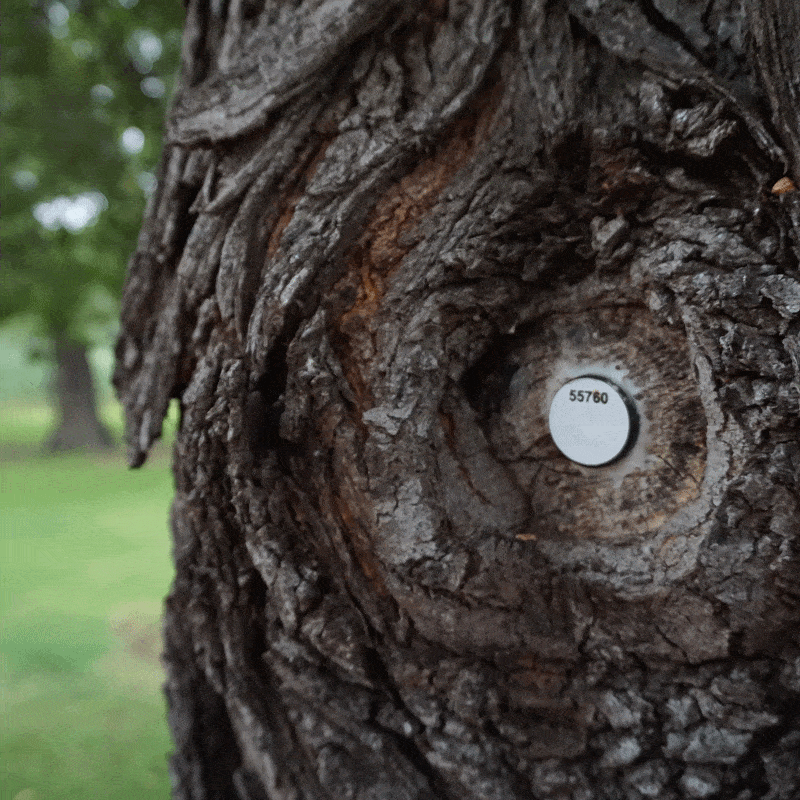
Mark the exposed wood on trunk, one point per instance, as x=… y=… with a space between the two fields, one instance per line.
x=383 y=237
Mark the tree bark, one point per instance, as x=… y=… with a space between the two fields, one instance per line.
x=384 y=235
x=78 y=426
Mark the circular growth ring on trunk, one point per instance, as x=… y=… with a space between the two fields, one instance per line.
x=645 y=483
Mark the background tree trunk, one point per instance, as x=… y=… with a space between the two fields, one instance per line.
x=384 y=235
x=78 y=425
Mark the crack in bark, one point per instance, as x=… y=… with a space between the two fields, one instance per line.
x=404 y=255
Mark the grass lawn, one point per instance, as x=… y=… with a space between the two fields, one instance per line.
x=85 y=559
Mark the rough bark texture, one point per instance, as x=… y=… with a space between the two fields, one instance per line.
x=78 y=426
x=384 y=233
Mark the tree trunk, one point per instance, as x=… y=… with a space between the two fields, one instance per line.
x=384 y=236
x=79 y=426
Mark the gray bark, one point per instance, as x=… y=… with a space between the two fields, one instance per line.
x=78 y=425
x=383 y=234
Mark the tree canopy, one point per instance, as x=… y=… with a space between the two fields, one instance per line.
x=84 y=87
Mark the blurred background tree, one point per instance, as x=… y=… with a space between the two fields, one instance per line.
x=84 y=85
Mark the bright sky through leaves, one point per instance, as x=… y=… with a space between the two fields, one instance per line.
x=153 y=87
x=58 y=14
x=84 y=86
x=132 y=140
x=71 y=213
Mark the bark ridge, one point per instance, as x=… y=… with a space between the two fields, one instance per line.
x=382 y=235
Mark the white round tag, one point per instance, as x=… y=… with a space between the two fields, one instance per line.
x=591 y=421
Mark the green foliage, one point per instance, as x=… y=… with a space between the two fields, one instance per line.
x=79 y=78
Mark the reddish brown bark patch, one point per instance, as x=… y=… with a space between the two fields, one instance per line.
x=388 y=235
x=300 y=177
x=376 y=256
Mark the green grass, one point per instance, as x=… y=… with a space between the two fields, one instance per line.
x=84 y=552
